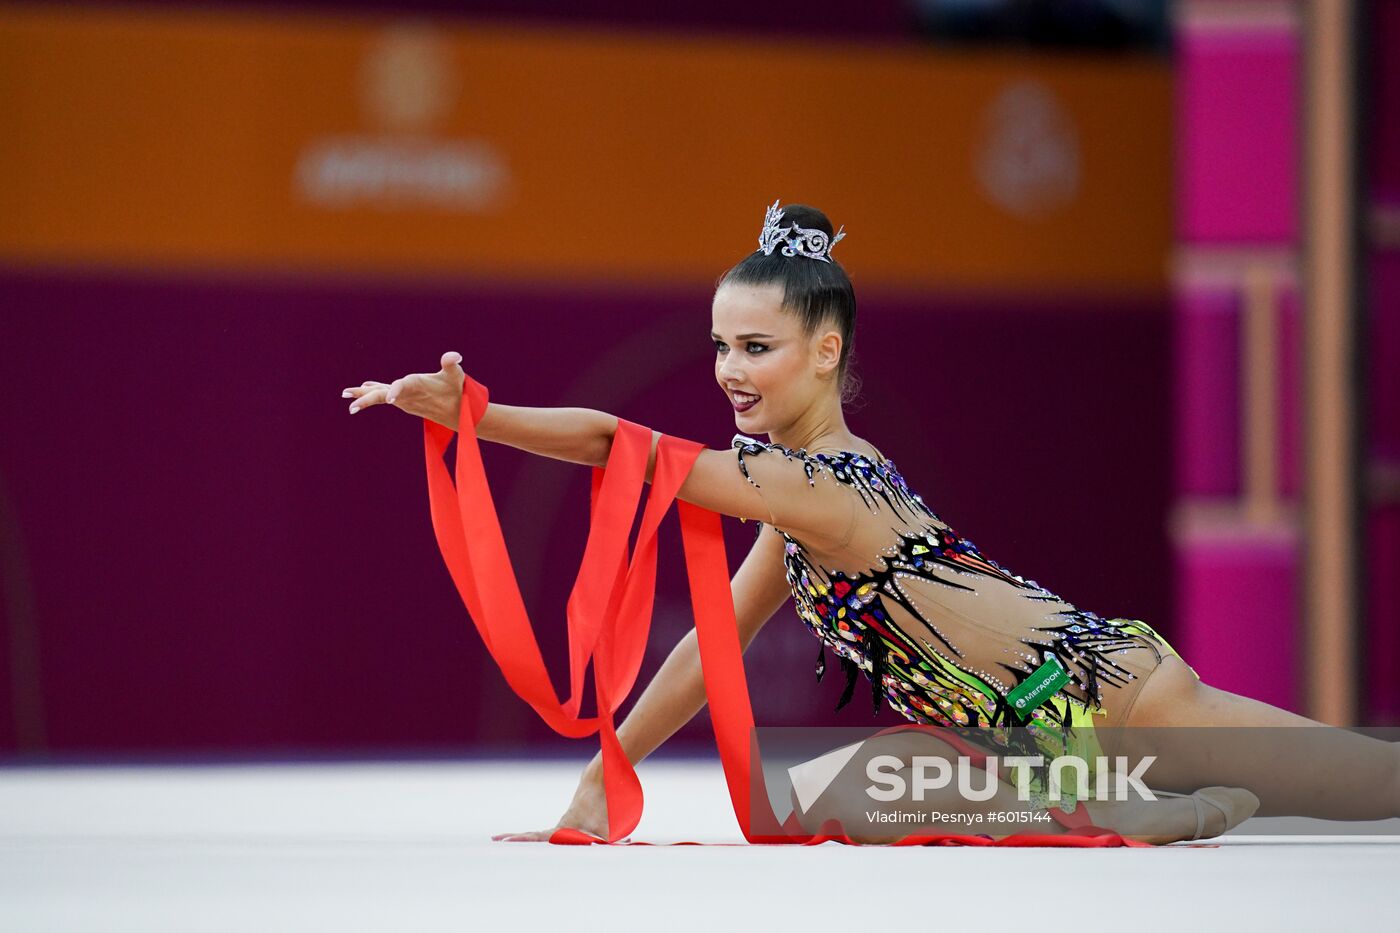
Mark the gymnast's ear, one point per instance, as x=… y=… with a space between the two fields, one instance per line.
x=828 y=351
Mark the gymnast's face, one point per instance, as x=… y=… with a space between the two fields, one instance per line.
x=760 y=350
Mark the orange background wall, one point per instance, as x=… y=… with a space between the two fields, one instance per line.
x=239 y=140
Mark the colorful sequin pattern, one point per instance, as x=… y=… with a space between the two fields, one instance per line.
x=930 y=681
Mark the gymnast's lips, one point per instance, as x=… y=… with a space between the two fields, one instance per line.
x=744 y=406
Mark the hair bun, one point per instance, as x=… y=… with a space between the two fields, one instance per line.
x=804 y=215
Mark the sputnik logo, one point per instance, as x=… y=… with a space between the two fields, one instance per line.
x=811 y=778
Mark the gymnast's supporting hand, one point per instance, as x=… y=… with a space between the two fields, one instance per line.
x=672 y=699
x=588 y=811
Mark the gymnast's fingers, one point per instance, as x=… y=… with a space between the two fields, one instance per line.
x=538 y=835
x=370 y=397
x=356 y=391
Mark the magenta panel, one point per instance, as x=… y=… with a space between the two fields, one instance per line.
x=1237 y=158
x=1383 y=128
x=1383 y=356
x=1383 y=615
x=1237 y=616
x=1383 y=520
x=1206 y=349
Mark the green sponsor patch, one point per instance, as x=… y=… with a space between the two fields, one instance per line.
x=1038 y=687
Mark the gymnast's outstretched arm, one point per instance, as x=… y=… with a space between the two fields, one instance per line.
x=771 y=489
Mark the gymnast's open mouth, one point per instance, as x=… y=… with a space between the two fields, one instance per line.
x=743 y=401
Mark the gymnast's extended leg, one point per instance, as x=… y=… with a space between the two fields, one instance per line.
x=1310 y=769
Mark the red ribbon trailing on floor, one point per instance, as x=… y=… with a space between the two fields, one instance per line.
x=609 y=619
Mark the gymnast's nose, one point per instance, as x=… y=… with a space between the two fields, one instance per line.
x=731 y=374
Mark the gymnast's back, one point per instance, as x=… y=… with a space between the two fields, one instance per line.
x=942 y=632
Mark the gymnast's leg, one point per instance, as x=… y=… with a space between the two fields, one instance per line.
x=1310 y=769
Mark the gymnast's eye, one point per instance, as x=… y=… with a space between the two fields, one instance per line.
x=719 y=346
x=762 y=347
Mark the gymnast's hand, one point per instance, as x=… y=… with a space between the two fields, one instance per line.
x=588 y=811
x=434 y=396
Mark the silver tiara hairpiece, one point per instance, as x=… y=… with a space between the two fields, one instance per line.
x=796 y=241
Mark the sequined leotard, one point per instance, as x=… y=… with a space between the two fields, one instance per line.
x=942 y=632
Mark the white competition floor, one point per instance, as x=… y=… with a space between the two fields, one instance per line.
x=406 y=846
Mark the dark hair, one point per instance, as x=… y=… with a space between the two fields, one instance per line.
x=818 y=292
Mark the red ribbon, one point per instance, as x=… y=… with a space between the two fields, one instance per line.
x=609 y=619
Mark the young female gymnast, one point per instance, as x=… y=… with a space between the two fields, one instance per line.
x=943 y=633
